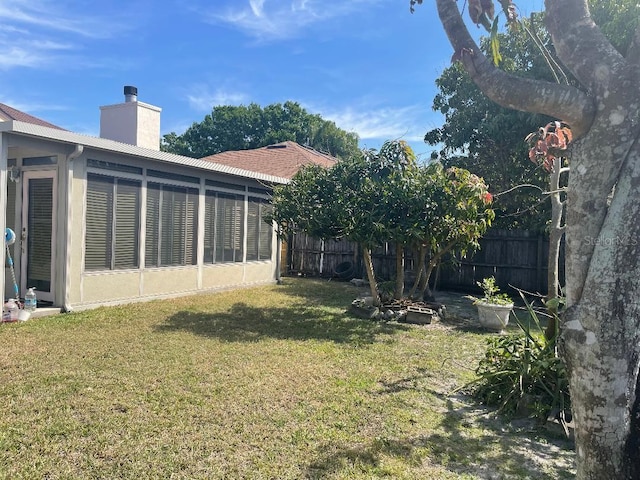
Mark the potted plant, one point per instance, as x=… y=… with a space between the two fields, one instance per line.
x=494 y=307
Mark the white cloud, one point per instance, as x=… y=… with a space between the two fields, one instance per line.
x=31 y=107
x=278 y=19
x=202 y=99
x=19 y=57
x=257 y=7
x=42 y=33
x=48 y=16
x=380 y=123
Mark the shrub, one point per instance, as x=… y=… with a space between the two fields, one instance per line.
x=523 y=373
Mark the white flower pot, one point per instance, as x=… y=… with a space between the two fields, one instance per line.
x=494 y=317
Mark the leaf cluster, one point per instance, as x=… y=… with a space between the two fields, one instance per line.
x=487 y=139
x=492 y=292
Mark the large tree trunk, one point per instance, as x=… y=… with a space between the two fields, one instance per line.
x=600 y=332
x=420 y=258
x=368 y=266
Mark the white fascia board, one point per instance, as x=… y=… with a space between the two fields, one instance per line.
x=64 y=136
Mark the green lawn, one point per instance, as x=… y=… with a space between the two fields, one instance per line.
x=275 y=382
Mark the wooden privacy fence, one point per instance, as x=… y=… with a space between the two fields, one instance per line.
x=516 y=258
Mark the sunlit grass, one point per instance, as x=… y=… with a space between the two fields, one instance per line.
x=270 y=382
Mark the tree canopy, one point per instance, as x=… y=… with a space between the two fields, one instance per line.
x=385 y=196
x=488 y=139
x=245 y=127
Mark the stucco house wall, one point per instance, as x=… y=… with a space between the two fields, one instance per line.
x=72 y=158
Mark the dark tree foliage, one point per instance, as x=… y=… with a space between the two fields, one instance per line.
x=246 y=127
x=488 y=140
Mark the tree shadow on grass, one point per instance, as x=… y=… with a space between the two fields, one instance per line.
x=313 y=291
x=502 y=451
x=245 y=323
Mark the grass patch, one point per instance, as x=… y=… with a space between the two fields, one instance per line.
x=269 y=382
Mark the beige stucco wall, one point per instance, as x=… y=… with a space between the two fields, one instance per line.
x=110 y=287
x=131 y=286
x=258 y=271
x=76 y=232
x=148 y=126
x=216 y=276
x=169 y=280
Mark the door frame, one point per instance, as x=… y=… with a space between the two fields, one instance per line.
x=27 y=176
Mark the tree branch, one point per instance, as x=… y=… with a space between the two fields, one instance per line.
x=566 y=103
x=581 y=46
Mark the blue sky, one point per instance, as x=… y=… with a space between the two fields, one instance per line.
x=368 y=65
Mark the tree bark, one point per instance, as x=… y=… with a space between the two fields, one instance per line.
x=421 y=253
x=600 y=331
x=368 y=266
x=555 y=237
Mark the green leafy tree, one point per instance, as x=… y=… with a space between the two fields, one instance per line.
x=245 y=127
x=487 y=139
x=341 y=202
x=453 y=213
x=384 y=196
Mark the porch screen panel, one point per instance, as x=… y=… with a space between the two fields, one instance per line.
x=266 y=232
x=152 y=242
x=171 y=226
x=127 y=221
x=191 y=240
x=112 y=223
x=220 y=229
x=229 y=228
x=259 y=232
x=209 y=226
x=253 y=229
x=99 y=232
x=40 y=222
x=172 y=218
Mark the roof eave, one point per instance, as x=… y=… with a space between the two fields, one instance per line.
x=64 y=136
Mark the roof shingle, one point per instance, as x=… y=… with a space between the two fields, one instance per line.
x=281 y=160
x=9 y=113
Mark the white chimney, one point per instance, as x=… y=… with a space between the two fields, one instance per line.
x=131 y=122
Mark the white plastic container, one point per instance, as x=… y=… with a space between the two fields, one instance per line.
x=30 y=300
x=13 y=309
x=6 y=313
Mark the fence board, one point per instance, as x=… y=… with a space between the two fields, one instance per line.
x=515 y=258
